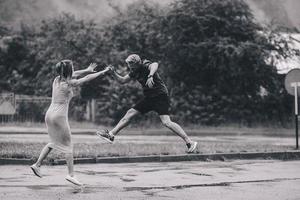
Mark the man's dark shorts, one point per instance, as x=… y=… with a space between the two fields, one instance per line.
x=159 y=104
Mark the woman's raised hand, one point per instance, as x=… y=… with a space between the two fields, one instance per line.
x=91 y=67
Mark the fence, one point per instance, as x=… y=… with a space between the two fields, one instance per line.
x=23 y=108
x=26 y=108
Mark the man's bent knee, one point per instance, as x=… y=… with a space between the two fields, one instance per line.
x=130 y=114
x=167 y=123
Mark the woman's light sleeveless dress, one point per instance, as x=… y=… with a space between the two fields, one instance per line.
x=57 y=117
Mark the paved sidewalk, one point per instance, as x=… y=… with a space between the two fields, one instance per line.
x=247 y=180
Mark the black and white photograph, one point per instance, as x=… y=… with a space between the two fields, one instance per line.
x=149 y=99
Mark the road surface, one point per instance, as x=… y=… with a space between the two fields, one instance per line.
x=243 y=179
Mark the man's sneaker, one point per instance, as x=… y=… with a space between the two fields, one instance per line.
x=104 y=134
x=191 y=146
x=73 y=179
x=36 y=170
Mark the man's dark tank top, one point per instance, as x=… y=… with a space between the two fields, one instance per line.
x=141 y=75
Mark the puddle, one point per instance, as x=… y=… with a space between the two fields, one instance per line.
x=205 y=185
x=236 y=168
x=155 y=194
x=15 y=181
x=174 y=187
x=89 y=172
x=87 y=189
x=38 y=187
x=42 y=187
x=164 y=169
x=153 y=170
x=194 y=173
x=127 y=179
x=131 y=175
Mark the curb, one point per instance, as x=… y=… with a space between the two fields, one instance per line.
x=287 y=155
x=191 y=132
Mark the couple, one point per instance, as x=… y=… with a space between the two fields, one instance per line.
x=156 y=99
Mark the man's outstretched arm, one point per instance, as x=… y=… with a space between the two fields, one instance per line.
x=120 y=79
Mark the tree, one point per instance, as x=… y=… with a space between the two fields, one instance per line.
x=65 y=37
x=215 y=48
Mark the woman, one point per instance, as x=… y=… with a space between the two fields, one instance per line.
x=57 y=115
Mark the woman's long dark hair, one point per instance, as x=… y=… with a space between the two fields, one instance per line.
x=64 y=68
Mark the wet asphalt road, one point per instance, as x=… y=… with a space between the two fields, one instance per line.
x=247 y=179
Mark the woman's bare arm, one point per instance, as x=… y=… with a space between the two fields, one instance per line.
x=89 y=69
x=87 y=78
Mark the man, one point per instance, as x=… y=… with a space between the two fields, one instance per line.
x=156 y=98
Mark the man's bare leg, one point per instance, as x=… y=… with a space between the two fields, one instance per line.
x=109 y=135
x=178 y=131
x=165 y=119
x=124 y=121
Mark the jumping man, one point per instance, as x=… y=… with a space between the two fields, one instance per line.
x=156 y=98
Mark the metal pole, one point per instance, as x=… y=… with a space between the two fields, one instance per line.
x=296 y=113
x=93 y=110
x=296 y=122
